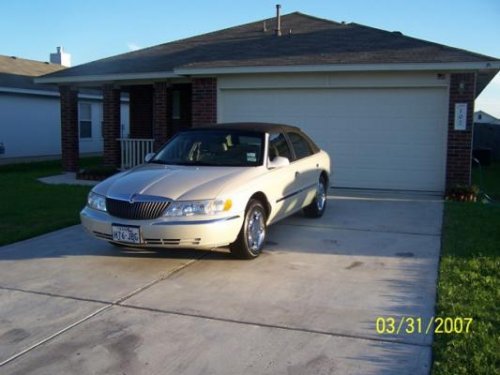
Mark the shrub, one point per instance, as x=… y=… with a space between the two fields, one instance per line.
x=463 y=193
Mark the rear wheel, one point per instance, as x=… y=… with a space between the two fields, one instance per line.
x=318 y=205
x=252 y=235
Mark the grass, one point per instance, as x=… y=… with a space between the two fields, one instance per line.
x=469 y=283
x=29 y=208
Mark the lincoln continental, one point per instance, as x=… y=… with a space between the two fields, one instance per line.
x=212 y=186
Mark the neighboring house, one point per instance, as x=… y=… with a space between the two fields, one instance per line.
x=394 y=112
x=486 y=137
x=30 y=115
x=481 y=117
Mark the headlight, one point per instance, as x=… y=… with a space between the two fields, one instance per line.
x=191 y=208
x=96 y=201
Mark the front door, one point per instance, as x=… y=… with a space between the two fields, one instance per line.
x=181 y=107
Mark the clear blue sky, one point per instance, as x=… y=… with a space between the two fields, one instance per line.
x=93 y=29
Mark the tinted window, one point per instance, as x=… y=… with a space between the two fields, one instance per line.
x=278 y=146
x=300 y=145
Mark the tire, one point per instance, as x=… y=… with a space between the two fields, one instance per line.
x=318 y=205
x=250 y=240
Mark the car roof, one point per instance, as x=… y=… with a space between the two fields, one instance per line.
x=263 y=127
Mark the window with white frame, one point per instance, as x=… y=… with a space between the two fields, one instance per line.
x=85 y=122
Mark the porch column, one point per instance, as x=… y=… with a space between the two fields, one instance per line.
x=161 y=113
x=204 y=101
x=111 y=126
x=70 y=149
x=458 y=163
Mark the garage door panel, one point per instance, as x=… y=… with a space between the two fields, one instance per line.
x=377 y=138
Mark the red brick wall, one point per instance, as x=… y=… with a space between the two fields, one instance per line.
x=141 y=111
x=161 y=113
x=69 y=129
x=111 y=126
x=204 y=101
x=458 y=165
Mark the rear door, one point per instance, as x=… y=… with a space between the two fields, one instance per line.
x=306 y=168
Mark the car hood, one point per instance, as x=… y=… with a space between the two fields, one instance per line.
x=174 y=182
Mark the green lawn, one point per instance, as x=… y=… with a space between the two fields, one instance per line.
x=29 y=208
x=469 y=283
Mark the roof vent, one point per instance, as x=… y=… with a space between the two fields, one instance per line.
x=278 y=20
x=397 y=32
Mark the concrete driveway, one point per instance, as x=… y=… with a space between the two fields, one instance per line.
x=70 y=304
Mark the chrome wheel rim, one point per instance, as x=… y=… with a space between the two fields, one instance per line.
x=256 y=230
x=320 y=196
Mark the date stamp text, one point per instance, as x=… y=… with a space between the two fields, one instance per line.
x=392 y=325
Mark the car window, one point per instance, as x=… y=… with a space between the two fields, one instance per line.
x=278 y=146
x=213 y=148
x=300 y=145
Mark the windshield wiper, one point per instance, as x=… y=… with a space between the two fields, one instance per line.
x=198 y=163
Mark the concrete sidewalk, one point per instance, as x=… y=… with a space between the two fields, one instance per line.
x=307 y=305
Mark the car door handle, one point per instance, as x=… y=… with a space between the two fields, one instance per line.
x=297 y=174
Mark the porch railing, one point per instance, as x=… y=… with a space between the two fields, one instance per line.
x=134 y=150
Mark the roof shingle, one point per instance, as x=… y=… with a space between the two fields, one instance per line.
x=306 y=40
x=19 y=73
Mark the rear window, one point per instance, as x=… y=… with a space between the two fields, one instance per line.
x=300 y=145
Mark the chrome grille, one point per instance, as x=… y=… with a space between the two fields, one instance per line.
x=136 y=210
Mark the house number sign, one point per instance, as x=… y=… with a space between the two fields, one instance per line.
x=460 y=116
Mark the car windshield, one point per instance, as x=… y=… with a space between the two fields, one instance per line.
x=213 y=147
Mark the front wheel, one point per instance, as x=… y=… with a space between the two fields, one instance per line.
x=318 y=205
x=252 y=235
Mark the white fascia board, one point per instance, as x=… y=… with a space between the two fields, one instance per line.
x=13 y=90
x=107 y=77
x=488 y=65
x=53 y=94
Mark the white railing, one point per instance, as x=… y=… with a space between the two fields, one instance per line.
x=134 y=150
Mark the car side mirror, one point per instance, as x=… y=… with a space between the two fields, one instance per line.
x=278 y=162
x=148 y=157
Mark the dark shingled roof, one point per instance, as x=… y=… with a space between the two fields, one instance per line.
x=19 y=73
x=312 y=41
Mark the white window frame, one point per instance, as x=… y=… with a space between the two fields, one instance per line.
x=81 y=119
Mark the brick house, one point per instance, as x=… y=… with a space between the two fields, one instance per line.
x=383 y=105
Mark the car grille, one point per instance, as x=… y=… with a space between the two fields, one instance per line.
x=136 y=210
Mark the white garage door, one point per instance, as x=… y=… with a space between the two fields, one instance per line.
x=377 y=138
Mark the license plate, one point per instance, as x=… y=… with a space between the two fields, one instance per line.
x=125 y=233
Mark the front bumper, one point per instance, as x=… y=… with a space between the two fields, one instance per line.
x=185 y=232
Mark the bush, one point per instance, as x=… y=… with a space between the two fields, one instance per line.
x=463 y=193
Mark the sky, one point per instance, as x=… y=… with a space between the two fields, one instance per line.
x=94 y=29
